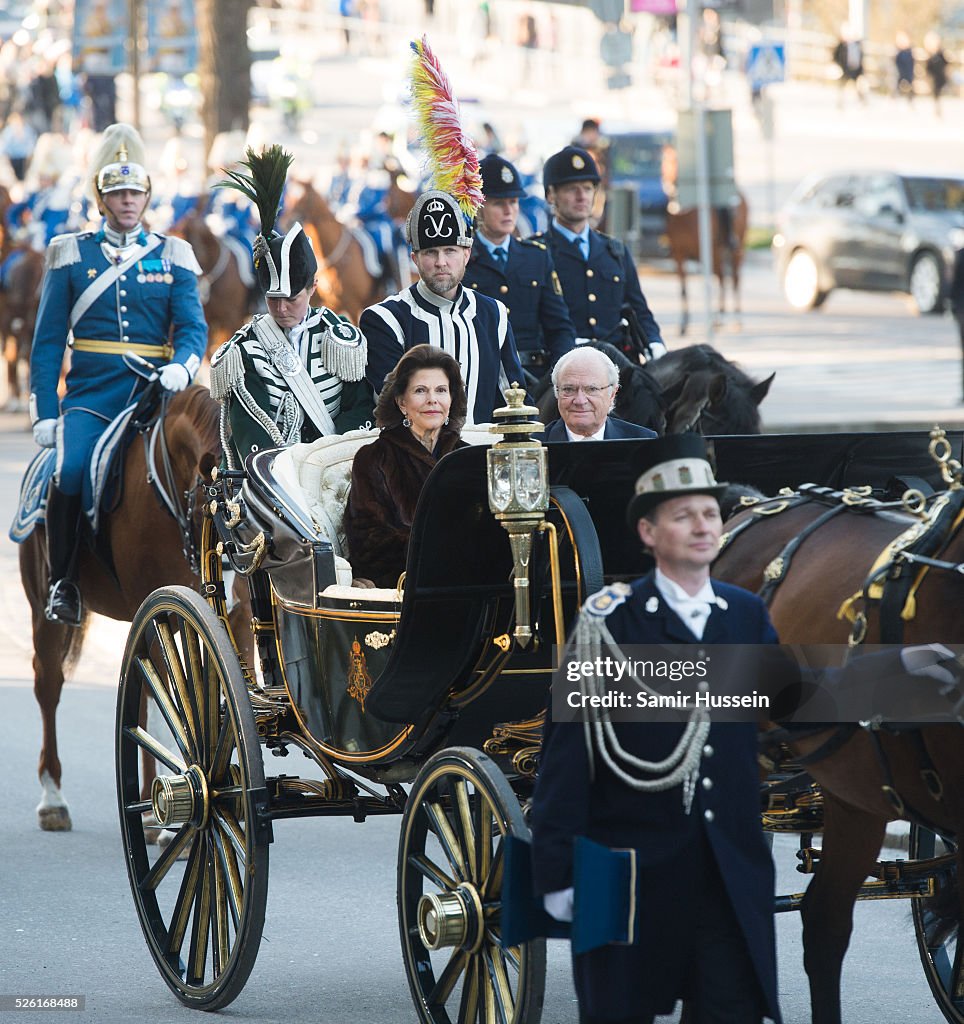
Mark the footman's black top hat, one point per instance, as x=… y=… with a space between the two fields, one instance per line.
x=670 y=467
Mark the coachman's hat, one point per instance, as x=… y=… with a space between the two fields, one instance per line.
x=670 y=467
x=437 y=220
x=500 y=179
x=569 y=164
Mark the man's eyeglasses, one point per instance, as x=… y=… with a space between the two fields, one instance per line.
x=589 y=390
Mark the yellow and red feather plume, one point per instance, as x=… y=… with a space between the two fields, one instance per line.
x=452 y=157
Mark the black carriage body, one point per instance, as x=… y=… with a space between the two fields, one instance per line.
x=382 y=683
x=389 y=688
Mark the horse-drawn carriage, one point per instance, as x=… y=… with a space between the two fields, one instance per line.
x=424 y=701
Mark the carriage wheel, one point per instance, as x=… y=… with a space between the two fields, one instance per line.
x=201 y=900
x=450 y=864
x=938 y=941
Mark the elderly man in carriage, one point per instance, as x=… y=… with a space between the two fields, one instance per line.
x=295 y=373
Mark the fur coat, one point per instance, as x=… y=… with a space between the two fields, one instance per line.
x=386 y=480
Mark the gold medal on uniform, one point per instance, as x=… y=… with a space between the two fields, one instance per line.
x=169 y=279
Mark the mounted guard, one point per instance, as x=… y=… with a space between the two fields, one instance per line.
x=295 y=373
x=107 y=294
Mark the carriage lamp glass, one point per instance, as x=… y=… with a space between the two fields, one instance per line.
x=518 y=484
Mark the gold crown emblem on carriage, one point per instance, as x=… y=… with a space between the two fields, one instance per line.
x=436 y=206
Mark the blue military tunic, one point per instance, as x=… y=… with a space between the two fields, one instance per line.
x=137 y=311
x=530 y=288
x=596 y=288
x=684 y=860
x=472 y=328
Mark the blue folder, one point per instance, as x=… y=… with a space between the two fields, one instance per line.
x=605 y=897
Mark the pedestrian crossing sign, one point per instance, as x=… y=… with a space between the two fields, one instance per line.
x=766 y=63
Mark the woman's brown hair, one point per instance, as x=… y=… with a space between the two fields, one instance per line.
x=421 y=357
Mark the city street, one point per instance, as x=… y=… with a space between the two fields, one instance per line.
x=331 y=950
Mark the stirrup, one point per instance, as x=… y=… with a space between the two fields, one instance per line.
x=64 y=603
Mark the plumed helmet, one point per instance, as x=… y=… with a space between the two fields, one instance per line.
x=569 y=164
x=119 y=163
x=436 y=220
x=285 y=264
x=500 y=179
x=670 y=467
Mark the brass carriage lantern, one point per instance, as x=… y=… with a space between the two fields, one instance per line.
x=518 y=476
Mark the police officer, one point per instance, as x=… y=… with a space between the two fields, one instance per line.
x=597 y=272
x=518 y=273
x=118 y=290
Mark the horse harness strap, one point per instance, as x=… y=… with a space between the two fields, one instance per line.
x=928 y=772
x=215 y=273
x=900 y=569
x=765 y=507
x=165 y=488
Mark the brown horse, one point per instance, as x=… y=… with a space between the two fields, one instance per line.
x=344 y=284
x=18 y=316
x=728 y=240
x=224 y=295
x=146 y=547
x=830 y=566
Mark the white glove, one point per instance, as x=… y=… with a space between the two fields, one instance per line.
x=45 y=433
x=925 y=660
x=657 y=348
x=174 y=377
x=559 y=904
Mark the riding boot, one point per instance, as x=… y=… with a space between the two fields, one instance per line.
x=63 y=544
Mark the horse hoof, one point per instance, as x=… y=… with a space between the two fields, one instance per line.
x=54 y=819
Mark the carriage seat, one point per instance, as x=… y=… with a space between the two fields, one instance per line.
x=320 y=471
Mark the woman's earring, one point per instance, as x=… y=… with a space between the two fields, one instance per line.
x=446 y=421
x=406 y=422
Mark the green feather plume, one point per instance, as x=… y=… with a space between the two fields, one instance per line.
x=264 y=185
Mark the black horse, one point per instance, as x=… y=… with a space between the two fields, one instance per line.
x=707 y=393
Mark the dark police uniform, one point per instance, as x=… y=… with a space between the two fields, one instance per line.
x=595 y=287
x=526 y=282
x=529 y=287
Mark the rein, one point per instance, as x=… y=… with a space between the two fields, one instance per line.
x=165 y=485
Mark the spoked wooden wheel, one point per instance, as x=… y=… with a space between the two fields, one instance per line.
x=936 y=925
x=182 y=699
x=450 y=864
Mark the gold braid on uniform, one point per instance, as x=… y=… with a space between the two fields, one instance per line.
x=591 y=639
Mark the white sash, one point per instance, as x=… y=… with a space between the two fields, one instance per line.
x=102 y=282
x=285 y=360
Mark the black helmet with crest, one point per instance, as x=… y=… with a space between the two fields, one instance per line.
x=285 y=263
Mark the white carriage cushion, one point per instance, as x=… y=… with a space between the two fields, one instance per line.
x=323 y=468
x=368 y=595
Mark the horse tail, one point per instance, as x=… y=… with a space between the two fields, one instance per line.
x=73 y=643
